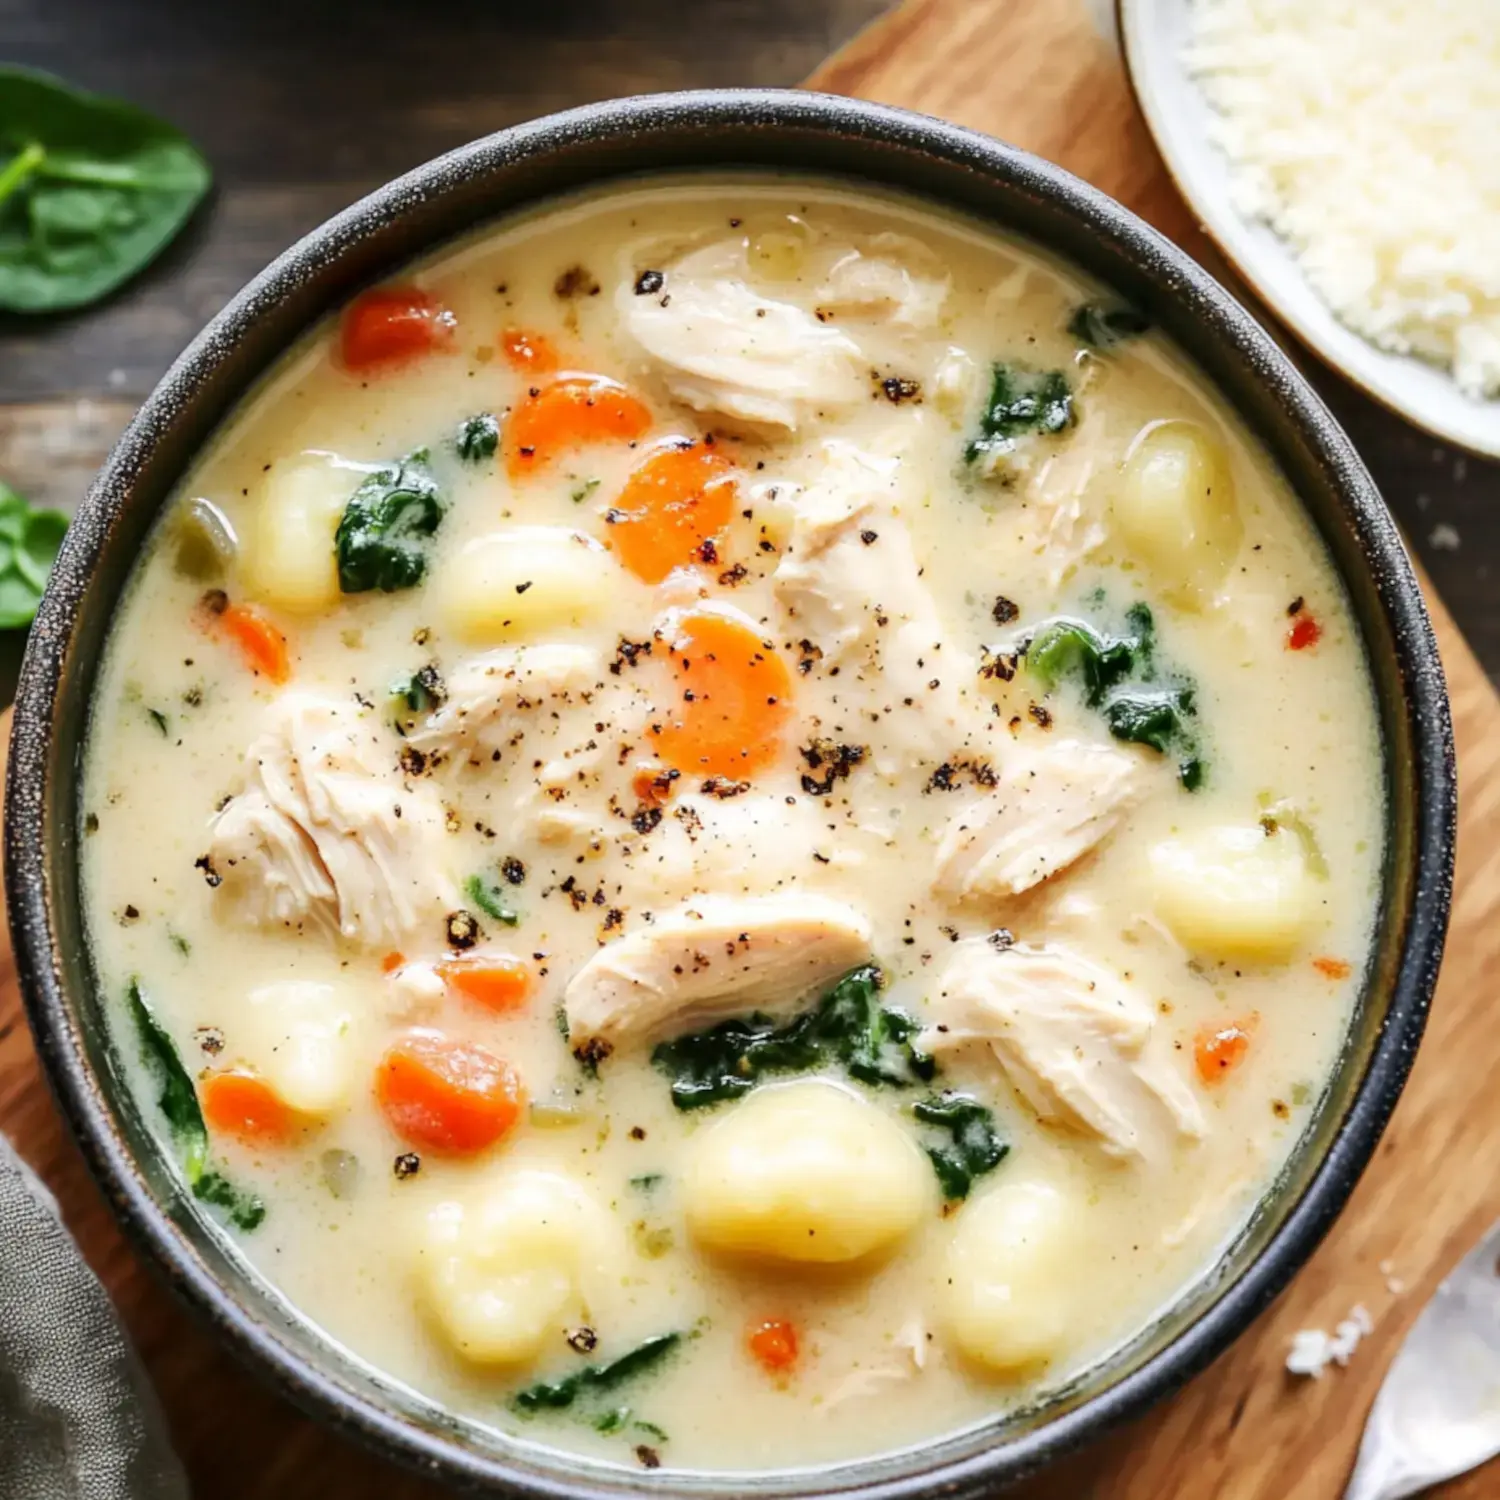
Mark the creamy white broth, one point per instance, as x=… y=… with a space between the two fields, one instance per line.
x=1137 y=1193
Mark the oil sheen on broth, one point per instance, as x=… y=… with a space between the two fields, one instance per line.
x=742 y=777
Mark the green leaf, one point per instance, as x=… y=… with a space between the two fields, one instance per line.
x=595 y=1380
x=29 y=540
x=178 y=1101
x=1021 y=402
x=40 y=540
x=477 y=439
x=91 y=190
x=383 y=536
x=848 y=1026
x=973 y=1146
x=1107 y=325
x=489 y=896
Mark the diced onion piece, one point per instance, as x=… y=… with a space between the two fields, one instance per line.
x=501 y=1270
x=1235 y=892
x=805 y=1171
x=1175 y=509
x=288 y=558
x=1007 y=1292
x=519 y=583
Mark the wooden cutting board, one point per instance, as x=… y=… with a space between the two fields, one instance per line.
x=1038 y=74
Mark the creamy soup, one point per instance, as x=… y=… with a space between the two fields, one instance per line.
x=733 y=825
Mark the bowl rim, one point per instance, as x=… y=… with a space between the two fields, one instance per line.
x=859 y=126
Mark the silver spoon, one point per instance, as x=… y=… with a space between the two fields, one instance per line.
x=1438 y=1412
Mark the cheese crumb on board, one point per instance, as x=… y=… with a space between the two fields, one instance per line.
x=1364 y=133
x=1313 y=1349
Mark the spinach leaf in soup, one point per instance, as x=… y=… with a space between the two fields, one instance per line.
x=91 y=190
x=1022 y=403
x=489 y=896
x=595 y=1380
x=973 y=1146
x=387 y=527
x=478 y=437
x=1118 y=673
x=178 y=1101
x=29 y=541
x=1107 y=325
x=848 y=1027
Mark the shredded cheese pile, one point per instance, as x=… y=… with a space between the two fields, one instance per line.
x=1367 y=134
x=1313 y=1349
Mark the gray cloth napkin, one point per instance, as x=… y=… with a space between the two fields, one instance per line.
x=78 y=1420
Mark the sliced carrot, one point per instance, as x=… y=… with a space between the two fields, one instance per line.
x=681 y=498
x=391 y=325
x=1218 y=1050
x=1305 y=632
x=532 y=352
x=243 y=1104
x=497 y=981
x=391 y=962
x=1332 y=968
x=774 y=1345
x=262 y=644
x=567 y=413
x=734 y=699
x=447 y=1094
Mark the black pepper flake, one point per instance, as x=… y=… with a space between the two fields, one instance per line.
x=91 y=823
x=1002 y=938
x=513 y=870
x=644 y=819
x=413 y=761
x=627 y=653
x=723 y=787
x=731 y=576
x=463 y=929
x=835 y=760
x=1296 y=606
x=591 y=1053
x=1041 y=715
x=869 y=537
x=808 y=655
x=648 y=1456
x=576 y=281
x=637 y=1133
x=1001 y=667
x=1004 y=611
x=582 y=1340
x=522 y=587
x=205 y=863
x=648 y=283
x=708 y=552
x=897 y=390
x=408 y=1164
x=128 y=915
x=210 y=1039
x=193 y=697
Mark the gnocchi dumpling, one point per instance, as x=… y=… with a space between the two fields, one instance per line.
x=1005 y=1295
x=517 y=583
x=299 y=1035
x=503 y=1270
x=1175 y=509
x=288 y=559
x=805 y=1171
x=1235 y=892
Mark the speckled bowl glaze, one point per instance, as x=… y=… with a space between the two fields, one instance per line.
x=800 y=133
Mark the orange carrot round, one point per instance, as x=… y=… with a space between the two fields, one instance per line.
x=1332 y=968
x=530 y=352
x=773 y=1345
x=498 y=981
x=568 y=413
x=1219 y=1050
x=241 y=1103
x=733 y=701
x=391 y=325
x=263 y=646
x=447 y=1094
x=680 y=498
x=1305 y=632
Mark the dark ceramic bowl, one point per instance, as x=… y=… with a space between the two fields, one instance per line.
x=801 y=133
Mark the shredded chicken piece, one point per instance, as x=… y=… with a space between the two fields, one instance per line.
x=325 y=834
x=1049 y=810
x=1074 y=1040
x=893 y=276
x=711 y=958
x=724 y=347
x=850 y=584
x=488 y=693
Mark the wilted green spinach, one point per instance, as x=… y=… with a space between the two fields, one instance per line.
x=1021 y=402
x=1107 y=325
x=973 y=1146
x=387 y=526
x=595 y=1380
x=178 y=1101
x=91 y=190
x=29 y=540
x=477 y=438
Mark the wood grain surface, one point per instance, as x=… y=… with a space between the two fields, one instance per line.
x=1038 y=75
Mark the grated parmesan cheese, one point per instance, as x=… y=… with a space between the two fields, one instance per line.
x=1367 y=134
x=1313 y=1350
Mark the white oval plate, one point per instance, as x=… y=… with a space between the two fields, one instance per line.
x=1153 y=33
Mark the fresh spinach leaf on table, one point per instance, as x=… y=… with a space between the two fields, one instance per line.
x=29 y=540
x=91 y=191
